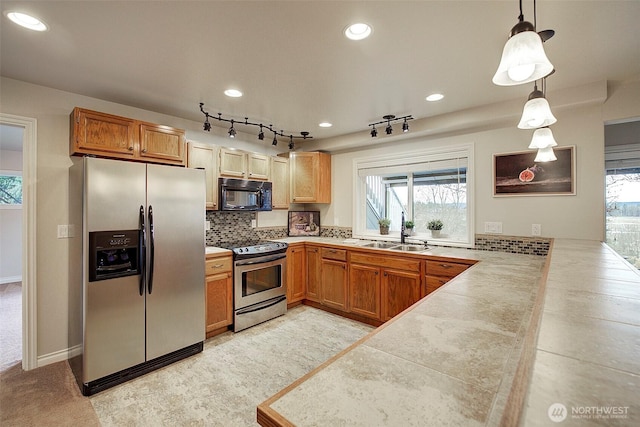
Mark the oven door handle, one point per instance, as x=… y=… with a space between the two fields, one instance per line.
x=260 y=260
x=261 y=306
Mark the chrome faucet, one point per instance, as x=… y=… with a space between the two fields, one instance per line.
x=402 y=229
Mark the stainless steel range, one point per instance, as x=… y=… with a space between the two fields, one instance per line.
x=259 y=282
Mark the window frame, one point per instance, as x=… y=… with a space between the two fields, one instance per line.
x=408 y=158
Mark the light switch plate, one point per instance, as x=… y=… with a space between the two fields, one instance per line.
x=63 y=231
x=493 y=227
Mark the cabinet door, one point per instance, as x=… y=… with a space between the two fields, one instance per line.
x=364 y=290
x=219 y=299
x=313 y=274
x=202 y=156
x=233 y=163
x=401 y=289
x=102 y=134
x=333 y=281
x=310 y=177
x=280 y=183
x=257 y=166
x=296 y=273
x=162 y=144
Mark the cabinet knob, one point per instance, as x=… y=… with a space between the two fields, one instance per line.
x=144 y=150
x=130 y=148
x=445 y=266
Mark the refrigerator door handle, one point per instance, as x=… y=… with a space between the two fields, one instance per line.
x=143 y=255
x=151 y=249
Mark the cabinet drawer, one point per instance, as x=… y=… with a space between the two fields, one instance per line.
x=217 y=265
x=407 y=264
x=445 y=269
x=337 y=254
x=433 y=283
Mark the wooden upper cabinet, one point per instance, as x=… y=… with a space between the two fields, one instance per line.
x=162 y=143
x=102 y=134
x=257 y=166
x=242 y=165
x=310 y=177
x=107 y=135
x=203 y=156
x=280 y=181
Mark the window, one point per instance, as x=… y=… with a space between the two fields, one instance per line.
x=426 y=185
x=10 y=189
x=622 y=165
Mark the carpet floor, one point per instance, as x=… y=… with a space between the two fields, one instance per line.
x=222 y=386
x=10 y=324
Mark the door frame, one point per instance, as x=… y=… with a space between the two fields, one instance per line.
x=29 y=294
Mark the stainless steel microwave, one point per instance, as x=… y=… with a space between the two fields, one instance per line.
x=244 y=195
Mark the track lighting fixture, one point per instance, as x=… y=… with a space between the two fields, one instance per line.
x=523 y=57
x=388 y=119
x=232 y=130
x=290 y=142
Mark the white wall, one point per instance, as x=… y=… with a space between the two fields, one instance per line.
x=10 y=227
x=51 y=108
x=580 y=123
x=580 y=216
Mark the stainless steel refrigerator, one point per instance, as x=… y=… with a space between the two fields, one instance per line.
x=141 y=304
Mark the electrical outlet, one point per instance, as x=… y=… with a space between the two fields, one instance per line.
x=493 y=227
x=253 y=223
x=536 y=229
x=207 y=225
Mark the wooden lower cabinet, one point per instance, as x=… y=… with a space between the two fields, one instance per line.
x=400 y=290
x=296 y=273
x=314 y=268
x=365 y=290
x=333 y=284
x=440 y=272
x=218 y=294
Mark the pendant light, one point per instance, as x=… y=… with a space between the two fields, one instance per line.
x=545 y=155
x=523 y=57
x=542 y=138
x=536 y=112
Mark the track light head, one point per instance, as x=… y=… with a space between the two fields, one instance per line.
x=261 y=134
x=232 y=131
x=405 y=126
x=207 y=125
x=275 y=140
x=291 y=145
x=388 y=129
x=374 y=132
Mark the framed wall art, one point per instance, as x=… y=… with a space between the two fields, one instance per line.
x=304 y=223
x=517 y=174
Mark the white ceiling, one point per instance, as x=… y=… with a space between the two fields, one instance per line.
x=293 y=63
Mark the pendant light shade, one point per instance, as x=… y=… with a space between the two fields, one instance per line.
x=536 y=112
x=542 y=138
x=545 y=155
x=523 y=58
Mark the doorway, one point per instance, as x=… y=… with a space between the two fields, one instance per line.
x=622 y=165
x=25 y=129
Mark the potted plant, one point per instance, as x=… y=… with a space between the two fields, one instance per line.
x=384 y=225
x=409 y=225
x=435 y=226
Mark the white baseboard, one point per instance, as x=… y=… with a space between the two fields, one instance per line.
x=10 y=279
x=59 y=356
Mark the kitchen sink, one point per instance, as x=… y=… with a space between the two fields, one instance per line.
x=409 y=248
x=380 y=245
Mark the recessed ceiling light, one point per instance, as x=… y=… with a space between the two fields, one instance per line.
x=358 y=31
x=325 y=125
x=27 y=21
x=233 y=93
x=434 y=97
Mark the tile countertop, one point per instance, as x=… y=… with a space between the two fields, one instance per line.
x=459 y=356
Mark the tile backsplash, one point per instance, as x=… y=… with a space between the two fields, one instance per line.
x=236 y=227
